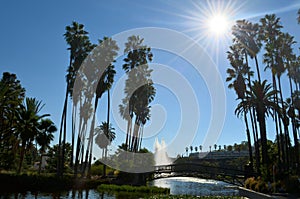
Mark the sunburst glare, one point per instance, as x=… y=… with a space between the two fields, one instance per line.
x=218 y=24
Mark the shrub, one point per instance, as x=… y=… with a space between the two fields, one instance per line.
x=292 y=184
x=97 y=170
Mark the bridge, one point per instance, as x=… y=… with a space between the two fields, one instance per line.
x=232 y=176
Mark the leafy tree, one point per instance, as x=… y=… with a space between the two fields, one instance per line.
x=11 y=97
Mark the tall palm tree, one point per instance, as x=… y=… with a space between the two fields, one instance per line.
x=45 y=136
x=139 y=90
x=247 y=35
x=260 y=97
x=27 y=126
x=238 y=74
x=105 y=134
x=79 y=47
x=274 y=59
x=107 y=51
x=246 y=38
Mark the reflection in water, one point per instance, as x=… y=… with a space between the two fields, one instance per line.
x=195 y=186
x=177 y=185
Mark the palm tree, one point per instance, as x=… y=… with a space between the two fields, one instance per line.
x=79 y=47
x=215 y=146
x=277 y=46
x=200 y=148
x=247 y=35
x=139 y=90
x=238 y=74
x=247 y=38
x=106 y=52
x=45 y=136
x=28 y=123
x=260 y=97
x=191 y=148
x=105 y=134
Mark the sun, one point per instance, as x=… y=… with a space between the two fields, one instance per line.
x=218 y=24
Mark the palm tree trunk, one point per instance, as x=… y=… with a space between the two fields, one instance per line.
x=141 y=137
x=257 y=69
x=91 y=138
x=249 y=142
x=264 y=147
x=294 y=128
x=258 y=162
x=127 y=134
x=64 y=137
x=78 y=147
x=108 y=124
x=40 y=165
x=73 y=135
x=280 y=143
x=61 y=142
x=135 y=137
x=253 y=119
x=285 y=124
x=22 y=157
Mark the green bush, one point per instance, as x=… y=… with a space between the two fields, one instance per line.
x=97 y=170
x=128 y=188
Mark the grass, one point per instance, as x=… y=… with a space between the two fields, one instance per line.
x=132 y=189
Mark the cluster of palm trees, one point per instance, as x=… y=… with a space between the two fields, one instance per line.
x=90 y=74
x=236 y=147
x=258 y=99
x=22 y=127
x=139 y=91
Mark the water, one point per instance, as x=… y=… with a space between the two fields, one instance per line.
x=177 y=185
x=195 y=186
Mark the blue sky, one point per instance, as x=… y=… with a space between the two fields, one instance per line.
x=33 y=47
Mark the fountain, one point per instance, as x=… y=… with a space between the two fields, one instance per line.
x=161 y=157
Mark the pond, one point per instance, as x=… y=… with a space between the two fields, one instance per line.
x=195 y=186
x=177 y=185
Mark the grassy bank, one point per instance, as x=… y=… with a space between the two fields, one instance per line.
x=132 y=189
